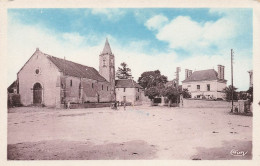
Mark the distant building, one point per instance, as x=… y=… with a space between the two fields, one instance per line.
x=250 y=78
x=13 y=88
x=205 y=83
x=128 y=90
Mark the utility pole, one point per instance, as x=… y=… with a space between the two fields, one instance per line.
x=232 y=91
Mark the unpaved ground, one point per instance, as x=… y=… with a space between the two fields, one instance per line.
x=140 y=132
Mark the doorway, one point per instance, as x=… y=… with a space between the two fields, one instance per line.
x=37 y=93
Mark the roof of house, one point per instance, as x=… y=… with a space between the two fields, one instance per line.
x=203 y=75
x=127 y=83
x=107 y=49
x=13 y=85
x=74 y=69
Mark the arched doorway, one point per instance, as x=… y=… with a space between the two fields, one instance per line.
x=37 y=93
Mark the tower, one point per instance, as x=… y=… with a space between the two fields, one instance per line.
x=107 y=66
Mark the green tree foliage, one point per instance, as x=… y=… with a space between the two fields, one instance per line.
x=152 y=92
x=123 y=72
x=228 y=93
x=152 y=79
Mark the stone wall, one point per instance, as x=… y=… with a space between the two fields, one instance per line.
x=191 y=103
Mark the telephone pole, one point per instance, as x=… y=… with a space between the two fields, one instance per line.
x=232 y=91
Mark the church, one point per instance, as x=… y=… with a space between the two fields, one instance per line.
x=52 y=82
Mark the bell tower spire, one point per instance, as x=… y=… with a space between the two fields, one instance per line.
x=107 y=66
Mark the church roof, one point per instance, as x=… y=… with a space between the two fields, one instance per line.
x=107 y=49
x=74 y=69
x=127 y=83
x=203 y=75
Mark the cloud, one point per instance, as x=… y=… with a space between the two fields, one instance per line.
x=156 y=22
x=112 y=14
x=185 y=33
x=24 y=39
x=73 y=38
x=181 y=32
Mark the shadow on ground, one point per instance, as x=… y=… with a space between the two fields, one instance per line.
x=72 y=150
x=231 y=150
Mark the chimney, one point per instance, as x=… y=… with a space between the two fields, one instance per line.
x=188 y=73
x=221 y=72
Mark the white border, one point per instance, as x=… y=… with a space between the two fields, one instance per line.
x=5 y=4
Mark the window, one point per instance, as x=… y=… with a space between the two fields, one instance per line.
x=104 y=62
x=92 y=85
x=107 y=88
x=198 y=87
x=37 y=71
x=138 y=89
x=70 y=82
x=208 y=87
x=102 y=87
x=79 y=90
x=124 y=89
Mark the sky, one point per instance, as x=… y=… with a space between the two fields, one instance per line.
x=145 y=38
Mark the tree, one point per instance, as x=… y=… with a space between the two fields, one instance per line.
x=123 y=72
x=171 y=93
x=152 y=79
x=250 y=94
x=185 y=93
x=228 y=93
x=152 y=92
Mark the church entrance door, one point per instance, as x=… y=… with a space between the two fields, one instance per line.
x=37 y=93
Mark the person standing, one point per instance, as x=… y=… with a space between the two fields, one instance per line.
x=124 y=105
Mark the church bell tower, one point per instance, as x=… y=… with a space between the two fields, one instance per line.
x=107 y=66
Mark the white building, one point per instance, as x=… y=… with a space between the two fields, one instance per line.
x=129 y=91
x=205 y=83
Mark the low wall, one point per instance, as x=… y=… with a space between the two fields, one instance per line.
x=191 y=103
x=88 y=105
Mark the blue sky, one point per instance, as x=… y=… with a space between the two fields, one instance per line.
x=145 y=38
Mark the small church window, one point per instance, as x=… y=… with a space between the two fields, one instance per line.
x=198 y=87
x=124 y=89
x=104 y=62
x=70 y=82
x=107 y=88
x=102 y=87
x=92 y=85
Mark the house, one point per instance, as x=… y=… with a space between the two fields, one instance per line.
x=205 y=83
x=51 y=81
x=12 y=88
x=127 y=90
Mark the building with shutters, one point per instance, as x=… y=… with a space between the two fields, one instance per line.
x=207 y=84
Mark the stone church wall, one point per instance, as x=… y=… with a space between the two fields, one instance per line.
x=28 y=76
